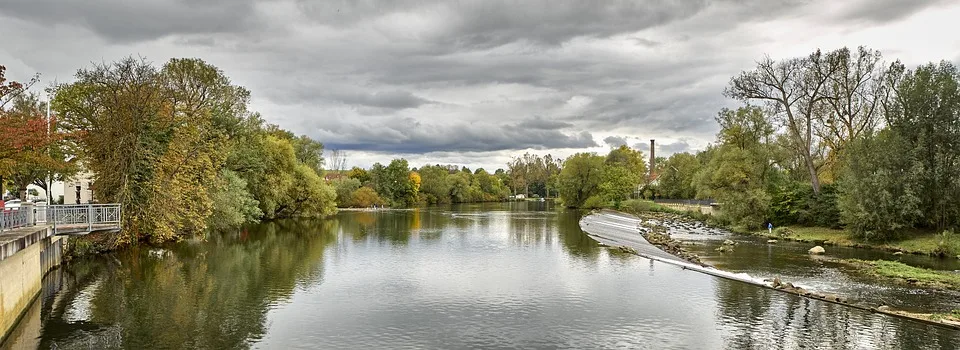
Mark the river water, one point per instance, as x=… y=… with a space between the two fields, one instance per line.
x=502 y=275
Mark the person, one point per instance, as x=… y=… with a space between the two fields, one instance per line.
x=770 y=227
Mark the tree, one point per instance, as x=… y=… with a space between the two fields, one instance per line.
x=338 y=158
x=166 y=122
x=879 y=196
x=677 y=177
x=580 y=178
x=20 y=138
x=855 y=91
x=795 y=92
x=37 y=141
x=232 y=205
x=624 y=169
x=924 y=118
x=345 y=187
x=360 y=174
x=435 y=186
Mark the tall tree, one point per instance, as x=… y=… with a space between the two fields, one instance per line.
x=795 y=92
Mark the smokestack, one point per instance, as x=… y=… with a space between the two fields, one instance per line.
x=653 y=158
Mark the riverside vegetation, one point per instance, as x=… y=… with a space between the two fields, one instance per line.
x=837 y=139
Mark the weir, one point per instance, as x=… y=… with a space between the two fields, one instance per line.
x=617 y=229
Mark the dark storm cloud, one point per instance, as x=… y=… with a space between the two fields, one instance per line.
x=127 y=21
x=395 y=99
x=543 y=124
x=615 y=141
x=410 y=136
x=477 y=24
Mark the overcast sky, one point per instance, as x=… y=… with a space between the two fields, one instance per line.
x=474 y=82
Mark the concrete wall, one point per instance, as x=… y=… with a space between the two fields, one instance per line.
x=704 y=209
x=21 y=277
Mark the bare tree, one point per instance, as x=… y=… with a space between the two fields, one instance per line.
x=795 y=94
x=856 y=92
x=338 y=160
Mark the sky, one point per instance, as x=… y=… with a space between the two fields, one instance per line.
x=474 y=82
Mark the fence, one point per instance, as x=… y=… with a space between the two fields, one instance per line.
x=78 y=217
x=11 y=218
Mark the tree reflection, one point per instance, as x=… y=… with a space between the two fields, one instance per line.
x=200 y=294
x=745 y=311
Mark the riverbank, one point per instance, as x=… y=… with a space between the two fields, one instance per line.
x=933 y=244
x=615 y=229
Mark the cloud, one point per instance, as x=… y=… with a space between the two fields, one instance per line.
x=126 y=21
x=542 y=124
x=435 y=78
x=615 y=141
x=408 y=136
x=395 y=99
x=882 y=11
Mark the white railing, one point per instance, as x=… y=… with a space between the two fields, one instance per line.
x=82 y=214
x=11 y=218
x=63 y=217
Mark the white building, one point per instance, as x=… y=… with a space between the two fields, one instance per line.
x=76 y=190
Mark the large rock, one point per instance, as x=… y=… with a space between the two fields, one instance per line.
x=729 y=242
x=816 y=250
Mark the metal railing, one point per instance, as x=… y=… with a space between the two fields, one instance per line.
x=11 y=218
x=72 y=217
x=82 y=214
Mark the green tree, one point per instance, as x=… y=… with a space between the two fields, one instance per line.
x=233 y=205
x=677 y=177
x=345 y=187
x=435 y=187
x=580 y=178
x=878 y=195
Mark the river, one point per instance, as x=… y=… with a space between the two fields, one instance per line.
x=499 y=275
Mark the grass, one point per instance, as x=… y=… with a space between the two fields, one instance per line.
x=952 y=316
x=906 y=273
x=941 y=244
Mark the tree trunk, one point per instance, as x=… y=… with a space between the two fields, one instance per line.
x=814 y=178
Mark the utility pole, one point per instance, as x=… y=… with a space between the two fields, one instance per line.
x=49 y=150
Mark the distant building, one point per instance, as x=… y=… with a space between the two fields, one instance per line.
x=77 y=190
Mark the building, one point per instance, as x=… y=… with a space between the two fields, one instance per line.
x=77 y=190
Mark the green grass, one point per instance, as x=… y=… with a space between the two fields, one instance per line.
x=952 y=316
x=901 y=271
x=947 y=245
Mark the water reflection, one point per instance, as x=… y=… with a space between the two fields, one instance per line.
x=480 y=275
x=756 y=318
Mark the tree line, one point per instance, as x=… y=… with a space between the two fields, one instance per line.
x=837 y=139
x=176 y=145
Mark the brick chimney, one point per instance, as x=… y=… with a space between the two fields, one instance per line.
x=653 y=159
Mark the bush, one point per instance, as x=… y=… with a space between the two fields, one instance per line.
x=594 y=202
x=795 y=203
x=782 y=232
x=945 y=245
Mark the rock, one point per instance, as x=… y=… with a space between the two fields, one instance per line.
x=729 y=242
x=776 y=282
x=898 y=253
x=883 y=308
x=725 y=249
x=816 y=250
x=771 y=241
